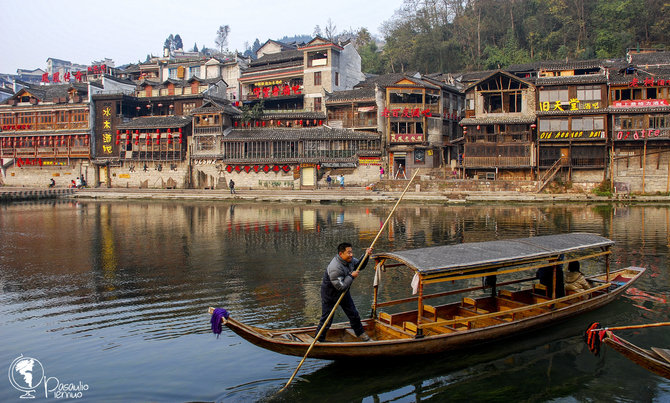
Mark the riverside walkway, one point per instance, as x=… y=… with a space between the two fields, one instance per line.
x=321 y=196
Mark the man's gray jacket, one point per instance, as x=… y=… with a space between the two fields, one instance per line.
x=338 y=273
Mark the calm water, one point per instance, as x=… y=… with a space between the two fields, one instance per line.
x=111 y=298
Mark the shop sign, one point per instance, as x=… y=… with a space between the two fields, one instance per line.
x=275 y=91
x=640 y=103
x=648 y=82
x=649 y=134
x=406 y=138
x=574 y=105
x=369 y=161
x=589 y=135
x=406 y=113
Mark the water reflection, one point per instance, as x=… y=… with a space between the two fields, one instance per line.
x=123 y=284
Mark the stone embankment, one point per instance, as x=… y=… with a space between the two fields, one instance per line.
x=8 y=195
x=322 y=196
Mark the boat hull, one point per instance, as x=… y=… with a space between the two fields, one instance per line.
x=284 y=341
x=645 y=358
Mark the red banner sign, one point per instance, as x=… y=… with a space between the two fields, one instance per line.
x=640 y=103
x=406 y=113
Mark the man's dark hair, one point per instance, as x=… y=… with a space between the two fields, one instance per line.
x=343 y=246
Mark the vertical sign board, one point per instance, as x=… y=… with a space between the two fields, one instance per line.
x=105 y=145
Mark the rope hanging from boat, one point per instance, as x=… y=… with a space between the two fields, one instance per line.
x=219 y=317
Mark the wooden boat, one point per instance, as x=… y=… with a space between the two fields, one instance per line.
x=473 y=319
x=656 y=360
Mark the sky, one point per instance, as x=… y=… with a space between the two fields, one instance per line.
x=126 y=31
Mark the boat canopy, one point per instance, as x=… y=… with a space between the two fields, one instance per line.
x=453 y=258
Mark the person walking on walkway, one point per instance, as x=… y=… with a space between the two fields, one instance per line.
x=329 y=181
x=231 y=185
x=341 y=179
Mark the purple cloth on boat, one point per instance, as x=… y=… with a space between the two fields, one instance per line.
x=217 y=324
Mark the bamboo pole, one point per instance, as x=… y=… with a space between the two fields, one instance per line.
x=644 y=163
x=332 y=312
x=632 y=326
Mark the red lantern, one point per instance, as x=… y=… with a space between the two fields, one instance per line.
x=320 y=122
x=236 y=123
x=297 y=167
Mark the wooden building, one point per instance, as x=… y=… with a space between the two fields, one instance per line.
x=572 y=121
x=639 y=119
x=498 y=127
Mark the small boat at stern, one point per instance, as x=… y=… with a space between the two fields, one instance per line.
x=463 y=295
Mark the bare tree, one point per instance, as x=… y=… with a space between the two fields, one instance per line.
x=330 y=30
x=317 y=31
x=221 y=39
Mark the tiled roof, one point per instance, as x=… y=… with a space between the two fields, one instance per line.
x=563 y=80
x=638 y=109
x=49 y=92
x=621 y=77
x=132 y=68
x=156 y=122
x=650 y=58
x=299 y=134
x=571 y=112
x=472 y=76
x=279 y=57
x=256 y=70
x=178 y=83
x=357 y=94
x=524 y=119
x=211 y=106
x=268 y=114
x=571 y=64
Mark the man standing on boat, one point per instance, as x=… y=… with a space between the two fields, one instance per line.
x=339 y=276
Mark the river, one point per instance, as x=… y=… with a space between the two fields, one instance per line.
x=111 y=298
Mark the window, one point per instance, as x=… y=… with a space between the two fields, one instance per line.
x=187 y=107
x=589 y=93
x=337 y=78
x=556 y=94
x=553 y=125
x=317 y=78
x=406 y=97
x=493 y=103
x=588 y=123
x=172 y=73
x=317 y=104
x=194 y=71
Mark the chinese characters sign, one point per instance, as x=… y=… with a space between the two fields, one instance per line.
x=406 y=138
x=648 y=82
x=406 y=113
x=583 y=135
x=574 y=105
x=640 y=103
x=77 y=76
x=275 y=91
x=105 y=127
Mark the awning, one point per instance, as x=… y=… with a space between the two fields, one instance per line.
x=444 y=259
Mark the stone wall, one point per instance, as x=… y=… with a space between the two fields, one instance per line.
x=40 y=176
x=629 y=174
x=152 y=175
